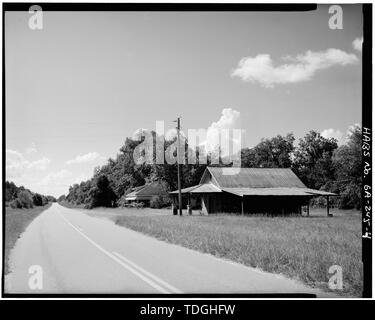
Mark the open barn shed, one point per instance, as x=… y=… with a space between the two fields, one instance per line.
x=251 y=190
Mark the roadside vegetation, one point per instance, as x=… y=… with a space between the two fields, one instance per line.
x=20 y=197
x=16 y=222
x=302 y=248
x=21 y=207
x=319 y=162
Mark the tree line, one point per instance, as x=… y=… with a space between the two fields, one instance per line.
x=318 y=161
x=20 y=197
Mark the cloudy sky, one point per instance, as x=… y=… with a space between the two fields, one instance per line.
x=76 y=89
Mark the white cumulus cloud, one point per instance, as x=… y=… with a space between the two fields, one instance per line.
x=332 y=133
x=341 y=137
x=56 y=178
x=16 y=165
x=302 y=67
x=357 y=44
x=85 y=158
x=58 y=182
x=40 y=164
x=31 y=149
x=230 y=119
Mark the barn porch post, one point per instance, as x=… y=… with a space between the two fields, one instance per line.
x=188 y=207
x=242 y=205
x=308 y=207
x=328 y=214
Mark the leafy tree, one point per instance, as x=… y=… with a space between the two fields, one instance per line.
x=101 y=195
x=37 y=199
x=16 y=204
x=248 y=158
x=51 y=199
x=347 y=162
x=313 y=160
x=61 y=198
x=190 y=173
x=275 y=152
x=11 y=191
x=160 y=201
x=316 y=160
x=25 y=198
x=20 y=197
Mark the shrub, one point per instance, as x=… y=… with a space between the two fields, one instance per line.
x=158 y=202
x=138 y=205
x=102 y=195
x=37 y=199
x=61 y=198
x=16 y=204
x=122 y=202
x=51 y=199
x=10 y=191
x=25 y=199
x=350 y=197
x=318 y=202
x=88 y=206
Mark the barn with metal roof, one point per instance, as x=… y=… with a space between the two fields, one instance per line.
x=251 y=190
x=146 y=192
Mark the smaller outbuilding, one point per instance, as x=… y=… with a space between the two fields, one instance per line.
x=146 y=192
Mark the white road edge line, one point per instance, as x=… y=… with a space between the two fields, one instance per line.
x=124 y=265
x=149 y=274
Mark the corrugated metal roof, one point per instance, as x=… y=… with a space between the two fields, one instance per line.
x=320 y=193
x=266 y=191
x=206 y=188
x=134 y=192
x=200 y=188
x=131 y=195
x=270 y=191
x=254 y=182
x=185 y=190
x=255 y=178
x=147 y=190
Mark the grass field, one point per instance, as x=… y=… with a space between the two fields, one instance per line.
x=16 y=222
x=302 y=248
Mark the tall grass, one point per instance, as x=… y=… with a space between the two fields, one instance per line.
x=300 y=248
x=16 y=222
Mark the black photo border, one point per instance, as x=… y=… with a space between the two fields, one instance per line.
x=214 y=7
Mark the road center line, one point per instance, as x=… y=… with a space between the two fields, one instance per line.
x=149 y=274
x=120 y=262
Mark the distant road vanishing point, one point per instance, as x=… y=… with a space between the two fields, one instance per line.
x=79 y=254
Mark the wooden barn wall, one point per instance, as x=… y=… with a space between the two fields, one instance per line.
x=274 y=204
x=260 y=204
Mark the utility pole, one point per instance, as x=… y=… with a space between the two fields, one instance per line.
x=178 y=167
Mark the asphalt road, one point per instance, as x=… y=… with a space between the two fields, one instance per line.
x=77 y=253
